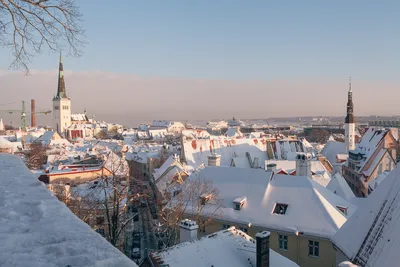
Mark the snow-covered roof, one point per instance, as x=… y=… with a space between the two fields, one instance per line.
x=242 y=162
x=79 y=117
x=312 y=208
x=230 y=247
x=340 y=187
x=373 y=184
x=39 y=230
x=342 y=157
x=372 y=234
x=52 y=138
x=168 y=163
x=4 y=143
x=318 y=170
x=196 y=134
x=197 y=151
x=332 y=149
x=233 y=132
x=161 y=123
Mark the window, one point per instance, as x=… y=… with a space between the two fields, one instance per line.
x=280 y=208
x=342 y=209
x=283 y=242
x=313 y=248
x=225 y=226
x=99 y=220
x=243 y=229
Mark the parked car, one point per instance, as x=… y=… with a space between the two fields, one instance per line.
x=136 y=235
x=143 y=204
x=136 y=253
x=136 y=243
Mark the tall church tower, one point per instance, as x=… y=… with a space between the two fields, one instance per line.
x=61 y=104
x=350 y=127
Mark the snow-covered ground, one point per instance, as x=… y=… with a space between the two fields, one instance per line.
x=38 y=230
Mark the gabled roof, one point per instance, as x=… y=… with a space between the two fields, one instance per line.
x=332 y=149
x=39 y=230
x=376 y=224
x=340 y=187
x=229 y=247
x=312 y=208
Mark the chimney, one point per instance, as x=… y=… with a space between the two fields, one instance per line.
x=33 y=115
x=303 y=165
x=188 y=230
x=271 y=167
x=214 y=160
x=262 y=249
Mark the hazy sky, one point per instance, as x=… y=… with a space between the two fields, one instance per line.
x=217 y=59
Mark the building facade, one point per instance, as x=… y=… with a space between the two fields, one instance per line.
x=61 y=105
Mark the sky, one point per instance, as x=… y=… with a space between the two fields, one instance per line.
x=201 y=59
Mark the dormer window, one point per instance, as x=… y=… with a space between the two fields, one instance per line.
x=342 y=209
x=239 y=202
x=280 y=208
x=204 y=198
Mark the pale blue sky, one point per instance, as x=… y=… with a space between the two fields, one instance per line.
x=238 y=40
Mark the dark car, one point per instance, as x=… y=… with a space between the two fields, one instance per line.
x=136 y=218
x=143 y=204
x=136 y=235
x=136 y=243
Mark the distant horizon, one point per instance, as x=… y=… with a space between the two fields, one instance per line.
x=129 y=99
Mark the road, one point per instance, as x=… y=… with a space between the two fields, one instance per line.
x=147 y=238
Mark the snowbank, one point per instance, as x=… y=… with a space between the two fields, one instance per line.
x=38 y=230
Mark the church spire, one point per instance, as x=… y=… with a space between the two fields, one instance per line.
x=350 y=106
x=61 y=91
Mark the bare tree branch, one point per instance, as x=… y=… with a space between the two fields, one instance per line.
x=27 y=26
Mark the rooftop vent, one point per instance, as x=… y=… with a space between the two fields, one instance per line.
x=280 y=208
x=239 y=202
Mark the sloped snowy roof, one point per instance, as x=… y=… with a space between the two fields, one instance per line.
x=233 y=132
x=197 y=151
x=39 y=230
x=196 y=134
x=4 y=143
x=376 y=224
x=373 y=184
x=319 y=172
x=229 y=247
x=158 y=172
x=312 y=208
x=340 y=187
x=242 y=162
x=332 y=149
x=79 y=117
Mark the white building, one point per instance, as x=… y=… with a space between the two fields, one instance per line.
x=61 y=105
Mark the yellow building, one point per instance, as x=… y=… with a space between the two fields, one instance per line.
x=301 y=215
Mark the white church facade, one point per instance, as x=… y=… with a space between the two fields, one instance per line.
x=61 y=105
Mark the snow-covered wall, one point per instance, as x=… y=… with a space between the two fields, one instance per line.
x=38 y=230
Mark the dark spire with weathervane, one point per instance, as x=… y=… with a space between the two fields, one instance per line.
x=61 y=91
x=350 y=106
